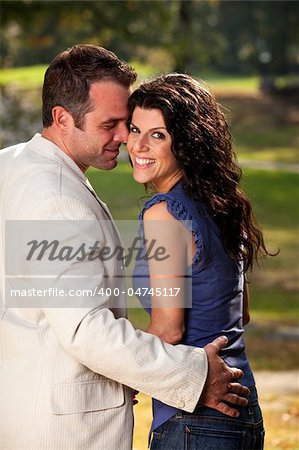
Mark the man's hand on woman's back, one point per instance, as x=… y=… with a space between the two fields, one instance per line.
x=220 y=392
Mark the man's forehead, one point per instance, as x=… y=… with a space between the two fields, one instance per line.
x=110 y=99
x=108 y=88
x=111 y=118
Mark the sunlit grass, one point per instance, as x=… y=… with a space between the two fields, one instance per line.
x=268 y=303
x=275 y=196
x=23 y=77
x=232 y=83
x=144 y=71
x=262 y=136
x=266 y=154
x=263 y=128
x=32 y=76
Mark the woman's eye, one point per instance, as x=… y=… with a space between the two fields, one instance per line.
x=133 y=129
x=158 y=135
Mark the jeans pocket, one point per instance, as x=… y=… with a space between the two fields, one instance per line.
x=213 y=439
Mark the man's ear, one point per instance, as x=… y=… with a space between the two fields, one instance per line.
x=62 y=119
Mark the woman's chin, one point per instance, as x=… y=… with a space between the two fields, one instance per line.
x=141 y=180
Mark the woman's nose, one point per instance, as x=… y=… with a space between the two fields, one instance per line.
x=140 y=144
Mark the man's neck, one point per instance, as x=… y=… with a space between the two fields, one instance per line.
x=50 y=134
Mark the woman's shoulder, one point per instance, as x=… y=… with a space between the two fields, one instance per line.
x=158 y=211
x=172 y=203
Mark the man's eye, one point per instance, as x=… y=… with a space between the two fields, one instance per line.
x=109 y=126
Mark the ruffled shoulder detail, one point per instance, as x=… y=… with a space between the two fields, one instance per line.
x=180 y=212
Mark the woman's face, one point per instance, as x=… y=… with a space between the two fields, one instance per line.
x=149 y=147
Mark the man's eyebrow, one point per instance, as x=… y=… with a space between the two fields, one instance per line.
x=114 y=119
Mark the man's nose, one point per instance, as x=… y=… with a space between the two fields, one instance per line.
x=122 y=133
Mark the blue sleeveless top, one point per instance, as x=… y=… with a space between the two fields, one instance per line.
x=217 y=289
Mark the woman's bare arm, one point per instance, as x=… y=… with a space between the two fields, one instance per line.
x=167 y=314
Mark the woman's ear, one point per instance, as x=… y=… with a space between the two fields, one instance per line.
x=62 y=119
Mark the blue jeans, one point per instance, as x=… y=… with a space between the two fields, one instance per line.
x=208 y=429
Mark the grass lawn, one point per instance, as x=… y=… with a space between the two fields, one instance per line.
x=264 y=128
x=24 y=77
x=32 y=76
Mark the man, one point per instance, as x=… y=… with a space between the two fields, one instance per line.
x=66 y=365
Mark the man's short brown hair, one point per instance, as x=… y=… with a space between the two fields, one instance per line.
x=69 y=76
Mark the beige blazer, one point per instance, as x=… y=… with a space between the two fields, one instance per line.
x=65 y=369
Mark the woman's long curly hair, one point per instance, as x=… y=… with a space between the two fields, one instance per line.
x=201 y=144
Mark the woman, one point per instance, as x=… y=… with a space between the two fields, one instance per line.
x=180 y=146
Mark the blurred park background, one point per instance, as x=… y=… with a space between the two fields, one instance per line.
x=247 y=52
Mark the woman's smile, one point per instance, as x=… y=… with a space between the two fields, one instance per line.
x=142 y=162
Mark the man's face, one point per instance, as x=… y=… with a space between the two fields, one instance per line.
x=104 y=129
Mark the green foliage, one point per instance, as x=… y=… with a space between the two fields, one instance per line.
x=241 y=37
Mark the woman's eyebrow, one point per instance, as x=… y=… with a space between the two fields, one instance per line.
x=157 y=128
x=151 y=129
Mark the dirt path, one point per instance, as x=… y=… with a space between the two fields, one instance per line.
x=269 y=382
x=269 y=165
